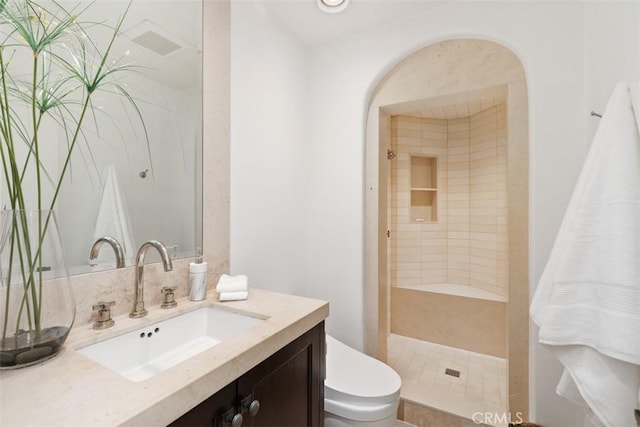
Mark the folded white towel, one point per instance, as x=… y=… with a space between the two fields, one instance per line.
x=228 y=283
x=234 y=296
x=587 y=303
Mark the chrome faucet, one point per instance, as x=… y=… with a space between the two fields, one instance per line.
x=115 y=245
x=138 y=304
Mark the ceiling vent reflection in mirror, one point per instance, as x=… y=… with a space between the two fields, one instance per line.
x=152 y=37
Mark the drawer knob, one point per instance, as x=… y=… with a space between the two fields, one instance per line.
x=236 y=421
x=251 y=405
x=231 y=418
x=254 y=407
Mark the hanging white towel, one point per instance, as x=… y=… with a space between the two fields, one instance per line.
x=587 y=303
x=113 y=218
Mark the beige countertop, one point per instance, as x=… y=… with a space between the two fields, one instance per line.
x=72 y=390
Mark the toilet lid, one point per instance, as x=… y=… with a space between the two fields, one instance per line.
x=353 y=376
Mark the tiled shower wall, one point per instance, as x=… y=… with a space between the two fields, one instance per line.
x=467 y=244
x=487 y=200
x=418 y=250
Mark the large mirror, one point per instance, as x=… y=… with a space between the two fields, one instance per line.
x=131 y=181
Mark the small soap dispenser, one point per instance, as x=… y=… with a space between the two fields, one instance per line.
x=198 y=279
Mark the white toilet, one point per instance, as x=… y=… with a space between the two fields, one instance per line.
x=358 y=390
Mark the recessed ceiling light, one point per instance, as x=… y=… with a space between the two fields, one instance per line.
x=333 y=6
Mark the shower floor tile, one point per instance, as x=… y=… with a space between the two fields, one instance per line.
x=480 y=387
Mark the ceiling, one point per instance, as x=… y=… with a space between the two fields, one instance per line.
x=304 y=20
x=307 y=23
x=460 y=109
x=452 y=106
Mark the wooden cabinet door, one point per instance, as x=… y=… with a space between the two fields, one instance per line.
x=210 y=412
x=286 y=390
x=289 y=386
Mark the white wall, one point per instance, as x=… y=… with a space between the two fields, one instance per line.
x=562 y=46
x=269 y=190
x=612 y=51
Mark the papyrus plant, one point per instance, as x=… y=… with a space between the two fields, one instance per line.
x=67 y=67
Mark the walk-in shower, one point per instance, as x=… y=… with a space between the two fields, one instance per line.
x=449 y=226
x=448 y=248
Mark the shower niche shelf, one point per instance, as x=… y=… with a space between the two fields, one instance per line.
x=424 y=189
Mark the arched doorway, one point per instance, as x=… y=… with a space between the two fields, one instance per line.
x=473 y=191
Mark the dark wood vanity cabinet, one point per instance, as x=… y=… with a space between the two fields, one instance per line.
x=212 y=411
x=287 y=389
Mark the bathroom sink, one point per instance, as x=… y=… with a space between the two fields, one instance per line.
x=140 y=354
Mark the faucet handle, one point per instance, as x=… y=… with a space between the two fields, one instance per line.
x=169 y=297
x=104 y=314
x=102 y=305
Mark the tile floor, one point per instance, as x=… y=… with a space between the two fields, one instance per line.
x=481 y=387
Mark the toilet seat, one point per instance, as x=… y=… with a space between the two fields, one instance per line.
x=357 y=386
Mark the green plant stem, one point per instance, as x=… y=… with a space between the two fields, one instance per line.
x=36 y=149
x=20 y=223
x=6 y=124
x=6 y=159
x=36 y=294
x=17 y=201
x=19 y=219
x=8 y=294
x=67 y=160
x=26 y=161
x=27 y=282
x=15 y=192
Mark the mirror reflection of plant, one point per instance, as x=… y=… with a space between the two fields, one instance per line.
x=67 y=69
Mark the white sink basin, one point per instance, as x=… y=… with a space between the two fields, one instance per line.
x=141 y=354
